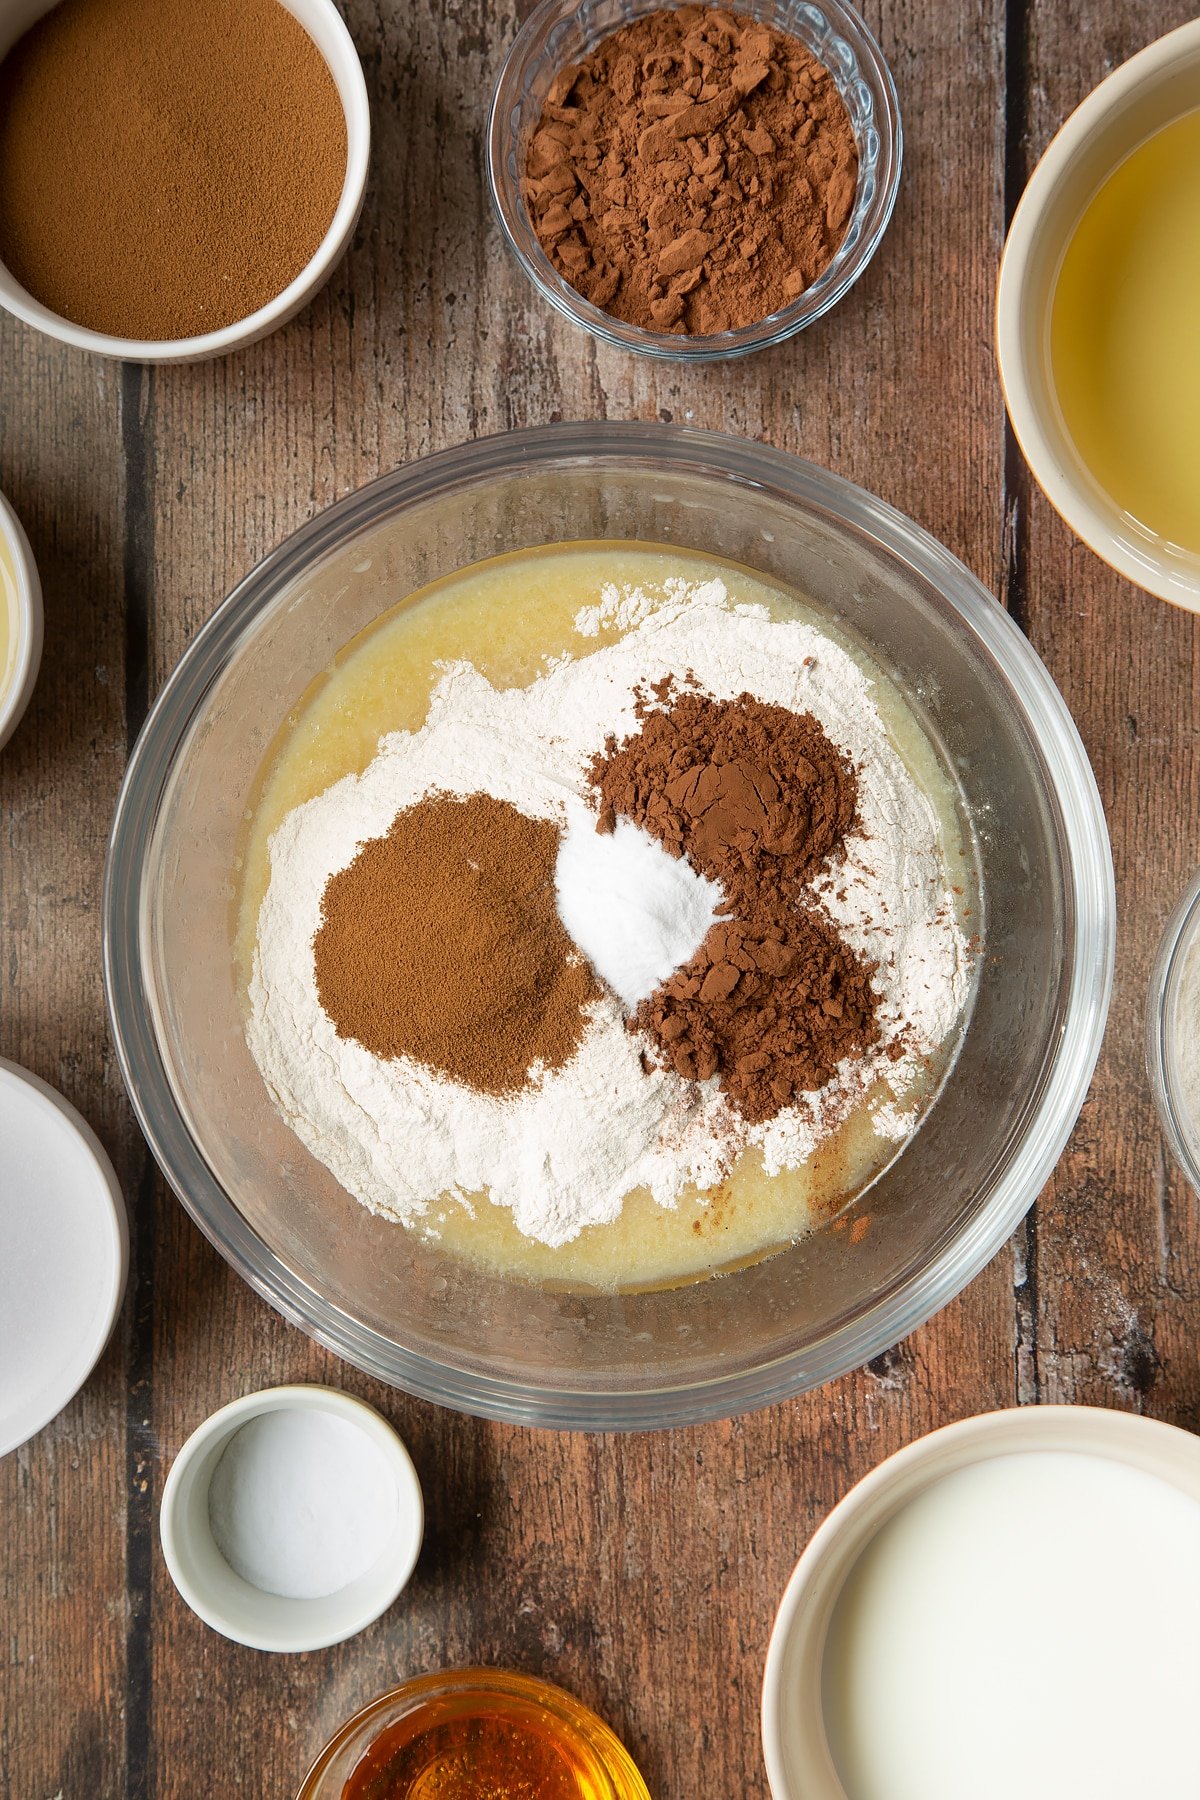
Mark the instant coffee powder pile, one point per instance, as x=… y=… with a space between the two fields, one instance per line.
x=441 y=942
x=167 y=167
x=693 y=174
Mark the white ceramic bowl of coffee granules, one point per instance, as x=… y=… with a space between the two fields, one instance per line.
x=694 y=189
x=407 y=1306
x=1173 y=1031
x=177 y=177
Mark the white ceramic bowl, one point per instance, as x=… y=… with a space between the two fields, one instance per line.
x=64 y=1253
x=235 y=1607
x=21 y=611
x=800 y=1765
x=1150 y=91
x=323 y=22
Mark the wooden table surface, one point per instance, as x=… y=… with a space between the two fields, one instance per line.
x=641 y=1572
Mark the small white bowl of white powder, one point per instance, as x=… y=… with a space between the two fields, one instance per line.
x=292 y=1518
x=1173 y=1032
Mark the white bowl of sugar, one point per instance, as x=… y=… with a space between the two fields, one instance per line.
x=292 y=1518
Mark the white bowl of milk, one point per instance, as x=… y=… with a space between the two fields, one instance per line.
x=1010 y=1605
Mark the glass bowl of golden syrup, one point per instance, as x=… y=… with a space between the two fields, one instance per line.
x=474 y=1734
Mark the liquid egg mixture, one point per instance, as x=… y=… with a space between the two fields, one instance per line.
x=605 y=917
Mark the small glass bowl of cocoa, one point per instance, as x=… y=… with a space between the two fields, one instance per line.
x=693 y=183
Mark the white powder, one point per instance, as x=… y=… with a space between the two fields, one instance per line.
x=564 y=1152
x=623 y=609
x=301 y=1503
x=635 y=911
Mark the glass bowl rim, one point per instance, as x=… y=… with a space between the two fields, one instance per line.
x=1179 y=935
x=777 y=327
x=483 y=1679
x=1088 y=876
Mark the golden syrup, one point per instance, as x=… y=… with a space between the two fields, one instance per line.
x=1125 y=335
x=485 y=1736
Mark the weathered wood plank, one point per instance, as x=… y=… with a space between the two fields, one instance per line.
x=62 y=1497
x=1118 y=1236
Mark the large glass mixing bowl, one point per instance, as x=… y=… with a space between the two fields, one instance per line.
x=397 y=1306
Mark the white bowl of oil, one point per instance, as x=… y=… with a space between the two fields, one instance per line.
x=1098 y=319
x=20 y=621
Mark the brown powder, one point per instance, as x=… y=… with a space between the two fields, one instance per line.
x=757 y=798
x=166 y=166
x=695 y=173
x=441 y=942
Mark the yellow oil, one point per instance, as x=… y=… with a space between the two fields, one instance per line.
x=1125 y=335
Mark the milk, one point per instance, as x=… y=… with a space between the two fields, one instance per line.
x=1028 y=1626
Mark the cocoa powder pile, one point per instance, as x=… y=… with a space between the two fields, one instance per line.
x=166 y=166
x=441 y=942
x=757 y=798
x=695 y=173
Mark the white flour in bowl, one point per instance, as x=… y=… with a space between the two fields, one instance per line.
x=564 y=1152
